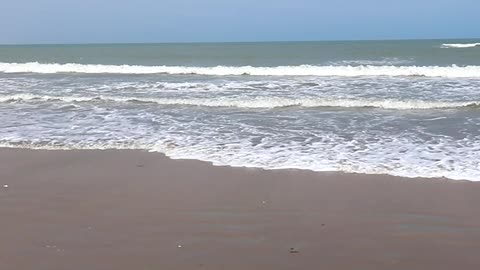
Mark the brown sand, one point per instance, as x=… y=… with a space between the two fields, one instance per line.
x=91 y=210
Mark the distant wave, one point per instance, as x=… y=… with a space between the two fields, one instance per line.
x=254 y=103
x=460 y=45
x=389 y=61
x=302 y=70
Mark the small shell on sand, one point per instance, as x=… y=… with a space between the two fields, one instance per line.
x=5 y=186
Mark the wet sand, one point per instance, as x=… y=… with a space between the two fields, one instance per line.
x=135 y=210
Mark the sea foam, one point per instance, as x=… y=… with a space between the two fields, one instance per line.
x=301 y=70
x=444 y=159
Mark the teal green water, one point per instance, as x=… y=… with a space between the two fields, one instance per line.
x=420 y=52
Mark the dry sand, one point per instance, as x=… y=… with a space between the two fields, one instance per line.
x=134 y=210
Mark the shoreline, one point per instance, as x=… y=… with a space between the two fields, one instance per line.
x=210 y=163
x=133 y=209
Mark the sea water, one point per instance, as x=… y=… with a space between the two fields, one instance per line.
x=406 y=108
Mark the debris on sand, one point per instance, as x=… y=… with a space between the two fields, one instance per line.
x=294 y=250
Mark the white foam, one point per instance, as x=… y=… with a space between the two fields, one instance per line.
x=394 y=156
x=460 y=45
x=32 y=97
x=255 y=102
x=302 y=70
x=368 y=152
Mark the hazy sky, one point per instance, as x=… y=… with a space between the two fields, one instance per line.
x=91 y=21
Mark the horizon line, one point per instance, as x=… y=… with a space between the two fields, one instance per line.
x=234 y=42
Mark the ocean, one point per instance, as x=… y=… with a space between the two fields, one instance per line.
x=404 y=108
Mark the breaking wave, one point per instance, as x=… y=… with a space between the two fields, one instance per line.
x=254 y=103
x=301 y=70
x=460 y=45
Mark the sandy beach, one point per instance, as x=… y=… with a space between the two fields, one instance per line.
x=138 y=210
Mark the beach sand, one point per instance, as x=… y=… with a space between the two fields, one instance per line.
x=136 y=210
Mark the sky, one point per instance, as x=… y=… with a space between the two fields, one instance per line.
x=127 y=21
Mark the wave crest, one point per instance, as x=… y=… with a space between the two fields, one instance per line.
x=256 y=103
x=460 y=45
x=301 y=70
